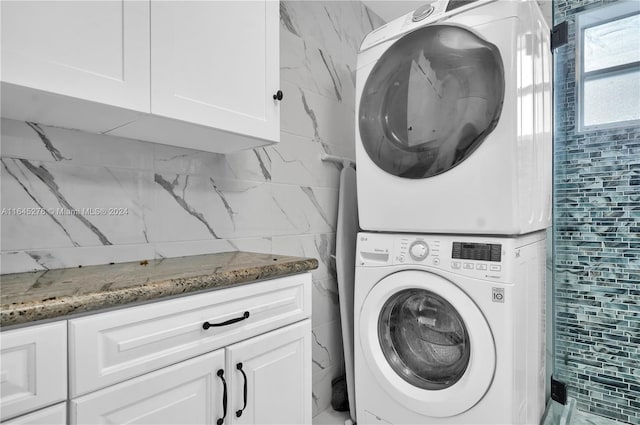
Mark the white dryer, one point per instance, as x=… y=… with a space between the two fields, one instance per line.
x=453 y=120
x=449 y=329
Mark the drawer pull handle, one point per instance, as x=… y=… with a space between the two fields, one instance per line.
x=239 y=412
x=207 y=325
x=220 y=421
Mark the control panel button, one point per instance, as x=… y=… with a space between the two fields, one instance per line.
x=401 y=258
x=495 y=268
x=419 y=250
x=455 y=264
x=481 y=267
x=436 y=261
x=468 y=266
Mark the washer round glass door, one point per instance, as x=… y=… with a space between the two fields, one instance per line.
x=427 y=343
x=430 y=100
x=424 y=339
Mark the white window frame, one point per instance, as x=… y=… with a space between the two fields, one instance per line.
x=588 y=19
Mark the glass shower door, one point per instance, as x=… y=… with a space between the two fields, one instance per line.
x=596 y=249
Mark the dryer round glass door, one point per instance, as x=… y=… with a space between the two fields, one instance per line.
x=430 y=101
x=427 y=343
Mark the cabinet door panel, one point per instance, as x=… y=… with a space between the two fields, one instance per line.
x=54 y=415
x=278 y=370
x=186 y=393
x=34 y=368
x=216 y=63
x=92 y=50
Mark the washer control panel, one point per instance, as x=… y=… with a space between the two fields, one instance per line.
x=468 y=255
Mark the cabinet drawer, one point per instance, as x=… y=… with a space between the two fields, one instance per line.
x=54 y=415
x=34 y=368
x=111 y=347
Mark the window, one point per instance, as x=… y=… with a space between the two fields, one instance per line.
x=608 y=66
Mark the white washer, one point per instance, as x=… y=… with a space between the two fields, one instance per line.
x=449 y=329
x=453 y=120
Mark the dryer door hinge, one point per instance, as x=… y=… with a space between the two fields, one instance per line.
x=559 y=35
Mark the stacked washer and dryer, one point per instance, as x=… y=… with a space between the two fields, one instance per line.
x=453 y=150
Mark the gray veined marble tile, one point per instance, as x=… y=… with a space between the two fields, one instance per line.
x=64 y=257
x=51 y=144
x=200 y=247
x=306 y=209
x=326 y=347
x=251 y=165
x=298 y=159
x=320 y=24
x=327 y=362
x=172 y=159
x=321 y=388
x=308 y=66
x=19 y=140
x=328 y=122
x=196 y=202
x=325 y=302
x=72 y=211
x=320 y=246
x=24 y=231
x=19 y=261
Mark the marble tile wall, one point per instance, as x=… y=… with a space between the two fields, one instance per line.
x=71 y=198
x=597 y=250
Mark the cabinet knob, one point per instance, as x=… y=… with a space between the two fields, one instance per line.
x=278 y=95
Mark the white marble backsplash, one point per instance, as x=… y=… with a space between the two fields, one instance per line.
x=71 y=198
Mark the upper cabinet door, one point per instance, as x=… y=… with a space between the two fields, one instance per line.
x=216 y=64
x=90 y=50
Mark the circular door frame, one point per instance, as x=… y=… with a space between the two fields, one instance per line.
x=477 y=378
x=384 y=143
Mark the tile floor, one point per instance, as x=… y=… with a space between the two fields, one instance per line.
x=569 y=415
x=558 y=415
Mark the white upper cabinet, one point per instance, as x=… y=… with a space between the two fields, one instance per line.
x=196 y=74
x=216 y=64
x=95 y=51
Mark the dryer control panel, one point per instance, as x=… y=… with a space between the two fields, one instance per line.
x=474 y=256
x=428 y=13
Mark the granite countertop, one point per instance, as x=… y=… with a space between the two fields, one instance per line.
x=50 y=294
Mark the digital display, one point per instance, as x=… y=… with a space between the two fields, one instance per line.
x=454 y=4
x=477 y=251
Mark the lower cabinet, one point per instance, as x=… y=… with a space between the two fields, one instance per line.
x=271 y=377
x=33 y=366
x=54 y=415
x=239 y=355
x=262 y=380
